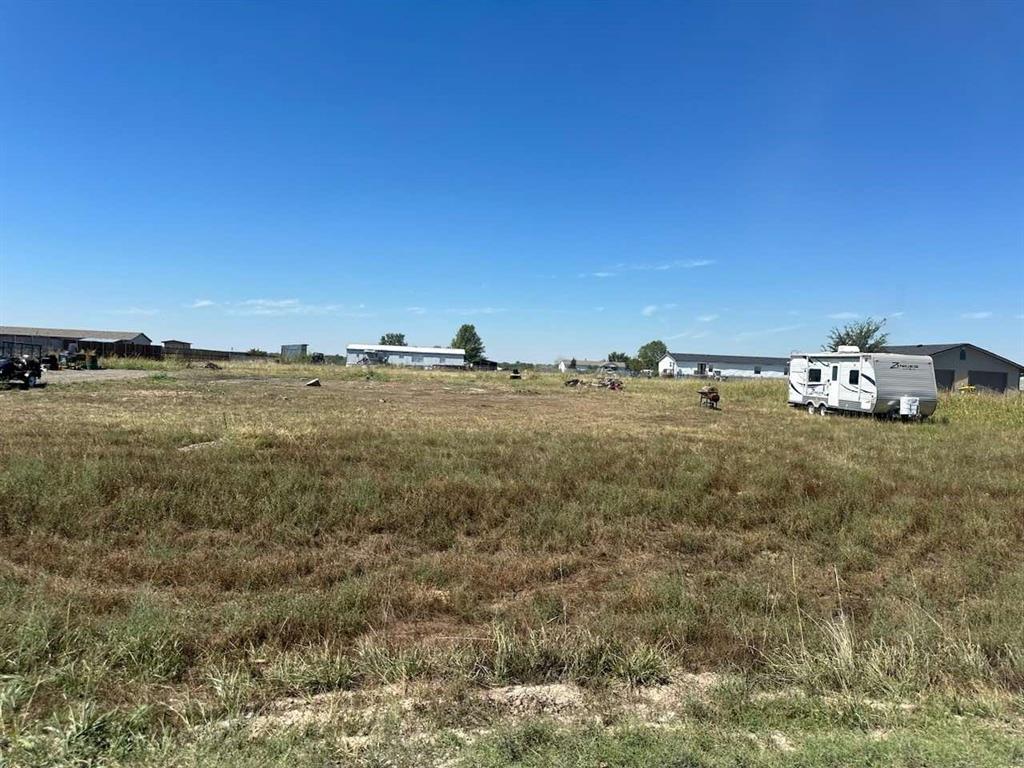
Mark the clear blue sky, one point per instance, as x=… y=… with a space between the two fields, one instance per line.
x=571 y=177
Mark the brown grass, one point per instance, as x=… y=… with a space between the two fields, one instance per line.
x=467 y=526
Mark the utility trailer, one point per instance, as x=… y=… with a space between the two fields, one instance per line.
x=869 y=383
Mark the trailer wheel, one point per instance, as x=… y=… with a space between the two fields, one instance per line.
x=812 y=409
x=822 y=410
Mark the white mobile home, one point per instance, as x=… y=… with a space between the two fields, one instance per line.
x=863 y=382
x=675 y=364
x=418 y=357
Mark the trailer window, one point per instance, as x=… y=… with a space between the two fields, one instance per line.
x=814 y=375
x=835 y=372
x=854 y=377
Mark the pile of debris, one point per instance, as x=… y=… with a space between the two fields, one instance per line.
x=605 y=382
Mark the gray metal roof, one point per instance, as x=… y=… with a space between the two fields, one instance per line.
x=69 y=333
x=685 y=357
x=934 y=349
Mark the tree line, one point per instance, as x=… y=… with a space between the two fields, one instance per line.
x=866 y=334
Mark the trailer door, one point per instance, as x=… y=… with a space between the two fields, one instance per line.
x=849 y=384
x=833 y=385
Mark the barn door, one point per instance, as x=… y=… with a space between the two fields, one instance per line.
x=944 y=378
x=993 y=380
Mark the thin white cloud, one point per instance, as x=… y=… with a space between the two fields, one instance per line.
x=844 y=316
x=281 y=307
x=475 y=310
x=896 y=314
x=416 y=310
x=652 y=309
x=133 y=311
x=691 y=334
x=768 y=331
x=200 y=303
x=706 y=318
x=976 y=315
x=663 y=266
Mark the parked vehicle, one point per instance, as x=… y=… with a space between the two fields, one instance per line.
x=23 y=371
x=851 y=381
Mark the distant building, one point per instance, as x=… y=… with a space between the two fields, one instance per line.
x=418 y=357
x=591 y=366
x=174 y=345
x=68 y=339
x=957 y=365
x=294 y=351
x=729 y=366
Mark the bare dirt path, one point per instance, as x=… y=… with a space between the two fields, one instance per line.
x=73 y=377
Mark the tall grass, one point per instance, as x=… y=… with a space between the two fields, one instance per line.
x=400 y=526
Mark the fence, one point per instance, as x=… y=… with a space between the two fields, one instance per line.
x=194 y=355
x=122 y=349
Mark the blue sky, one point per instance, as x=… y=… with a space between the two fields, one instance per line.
x=573 y=178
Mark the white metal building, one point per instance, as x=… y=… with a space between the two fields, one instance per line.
x=728 y=366
x=419 y=357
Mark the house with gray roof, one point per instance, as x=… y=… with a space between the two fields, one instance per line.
x=966 y=364
x=678 y=364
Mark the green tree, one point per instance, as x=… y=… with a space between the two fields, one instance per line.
x=618 y=357
x=865 y=334
x=393 y=339
x=650 y=353
x=572 y=364
x=468 y=339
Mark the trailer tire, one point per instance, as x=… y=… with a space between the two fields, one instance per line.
x=812 y=409
x=822 y=410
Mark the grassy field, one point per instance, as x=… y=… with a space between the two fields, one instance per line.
x=413 y=568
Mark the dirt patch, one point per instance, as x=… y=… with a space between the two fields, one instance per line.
x=200 y=446
x=359 y=710
x=78 y=377
x=554 y=698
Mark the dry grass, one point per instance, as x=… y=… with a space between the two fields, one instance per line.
x=400 y=526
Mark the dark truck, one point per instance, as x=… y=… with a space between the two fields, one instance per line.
x=23 y=371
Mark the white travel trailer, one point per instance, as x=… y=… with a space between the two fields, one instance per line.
x=876 y=383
